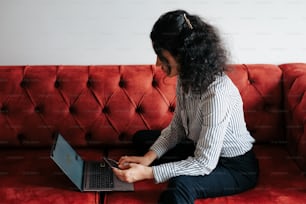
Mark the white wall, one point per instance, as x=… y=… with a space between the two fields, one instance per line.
x=117 y=31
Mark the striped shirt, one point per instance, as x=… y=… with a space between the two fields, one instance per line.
x=214 y=121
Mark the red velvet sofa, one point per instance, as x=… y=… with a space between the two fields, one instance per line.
x=98 y=109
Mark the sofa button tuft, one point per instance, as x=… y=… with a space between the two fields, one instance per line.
x=154 y=83
x=21 y=137
x=267 y=107
x=23 y=83
x=57 y=84
x=171 y=108
x=72 y=109
x=89 y=83
x=251 y=81
x=139 y=110
x=4 y=109
x=122 y=136
x=38 y=109
x=106 y=110
x=88 y=136
x=121 y=83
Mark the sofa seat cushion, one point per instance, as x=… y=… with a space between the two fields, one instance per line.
x=145 y=192
x=30 y=176
x=280 y=181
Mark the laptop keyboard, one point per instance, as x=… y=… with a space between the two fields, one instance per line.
x=101 y=175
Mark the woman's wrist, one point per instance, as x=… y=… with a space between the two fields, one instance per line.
x=150 y=156
x=149 y=174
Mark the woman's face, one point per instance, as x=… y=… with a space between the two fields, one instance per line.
x=168 y=63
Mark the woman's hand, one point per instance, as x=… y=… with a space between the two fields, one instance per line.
x=133 y=172
x=134 y=168
x=145 y=160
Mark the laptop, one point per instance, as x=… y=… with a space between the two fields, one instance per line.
x=86 y=175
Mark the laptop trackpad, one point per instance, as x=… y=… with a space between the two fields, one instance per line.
x=122 y=186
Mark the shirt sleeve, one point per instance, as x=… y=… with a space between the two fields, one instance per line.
x=172 y=134
x=216 y=115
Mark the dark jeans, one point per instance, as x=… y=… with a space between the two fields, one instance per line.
x=232 y=175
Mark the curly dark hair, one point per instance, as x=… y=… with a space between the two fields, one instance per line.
x=194 y=44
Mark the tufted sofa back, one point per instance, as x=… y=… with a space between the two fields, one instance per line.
x=294 y=80
x=87 y=104
x=95 y=105
x=260 y=86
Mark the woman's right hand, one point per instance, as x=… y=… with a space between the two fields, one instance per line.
x=145 y=160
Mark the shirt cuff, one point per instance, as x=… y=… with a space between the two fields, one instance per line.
x=158 y=150
x=163 y=172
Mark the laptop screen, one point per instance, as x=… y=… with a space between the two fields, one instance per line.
x=68 y=160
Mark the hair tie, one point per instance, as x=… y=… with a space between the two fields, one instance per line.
x=188 y=21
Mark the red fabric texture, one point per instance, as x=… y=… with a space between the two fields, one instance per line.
x=29 y=176
x=103 y=106
x=262 y=99
x=89 y=105
x=294 y=77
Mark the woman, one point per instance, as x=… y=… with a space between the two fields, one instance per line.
x=209 y=112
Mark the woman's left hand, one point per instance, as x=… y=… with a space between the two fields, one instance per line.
x=134 y=172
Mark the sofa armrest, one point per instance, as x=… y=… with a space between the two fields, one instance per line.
x=294 y=84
